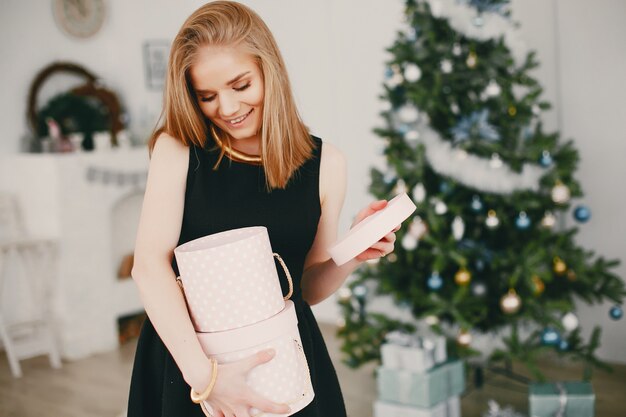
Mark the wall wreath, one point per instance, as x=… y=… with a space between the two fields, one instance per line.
x=86 y=108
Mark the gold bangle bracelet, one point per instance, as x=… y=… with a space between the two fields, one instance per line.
x=198 y=398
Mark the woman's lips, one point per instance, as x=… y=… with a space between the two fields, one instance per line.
x=240 y=120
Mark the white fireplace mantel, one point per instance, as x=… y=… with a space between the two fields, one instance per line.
x=73 y=198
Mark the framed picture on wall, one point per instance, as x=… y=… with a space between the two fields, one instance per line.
x=155 y=55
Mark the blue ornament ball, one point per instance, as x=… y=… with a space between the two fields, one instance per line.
x=550 y=337
x=563 y=345
x=546 y=159
x=480 y=264
x=616 y=312
x=388 y=73
x=411 y=34
x=444 y=187
x=434 y=282
x=476 y=205
x=389 y=177
x=403 y=129
x=528 y=132
x=582 y=213
x=522 y=221
x=353 y=362
x=360 y=292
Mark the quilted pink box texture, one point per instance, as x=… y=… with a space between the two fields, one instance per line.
x=230 y=279
x=284 y=379
x=234 y=298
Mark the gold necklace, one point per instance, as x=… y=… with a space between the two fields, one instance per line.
x=234 y=154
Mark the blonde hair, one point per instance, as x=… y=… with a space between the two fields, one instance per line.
x=285 y=140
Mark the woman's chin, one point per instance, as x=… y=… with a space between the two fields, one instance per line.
x=242 y=133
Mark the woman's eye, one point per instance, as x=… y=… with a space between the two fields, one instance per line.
x=243 y=87
x=211 y=98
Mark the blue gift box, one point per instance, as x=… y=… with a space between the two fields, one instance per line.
x=421 y=389
x=561 y=399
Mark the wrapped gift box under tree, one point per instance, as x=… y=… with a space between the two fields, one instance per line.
x=421 y=389
x=449 y=408
x=561 y=399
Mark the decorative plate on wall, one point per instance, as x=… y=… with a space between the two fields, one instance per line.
x=79 y=18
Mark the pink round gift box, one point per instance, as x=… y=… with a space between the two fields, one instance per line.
x=230 y=279
x=285 y=379
x=371 y=229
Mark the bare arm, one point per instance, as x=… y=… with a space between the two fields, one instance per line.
x=157 y=235
x=321 y=276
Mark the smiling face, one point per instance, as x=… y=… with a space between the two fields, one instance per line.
x=228 y=85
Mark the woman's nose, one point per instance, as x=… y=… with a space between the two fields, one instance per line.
x=229 y=105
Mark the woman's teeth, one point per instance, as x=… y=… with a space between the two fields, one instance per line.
x=239 y=119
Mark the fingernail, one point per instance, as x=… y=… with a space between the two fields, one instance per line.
x=271 y=352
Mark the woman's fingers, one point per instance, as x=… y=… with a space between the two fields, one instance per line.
x=369 y=210
x=218 y=413
x=390 y=237
x=379 y=249
x=263 y=404
x=208 y=407
x=236 y=399
x=216 y=408
x=259 y=358
x=242 y=412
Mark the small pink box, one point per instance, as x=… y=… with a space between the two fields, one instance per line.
x=371 y=229
x=284 y=379
x=230 y=279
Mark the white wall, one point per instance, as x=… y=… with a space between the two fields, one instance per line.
x=593 y=87
x=335 y=53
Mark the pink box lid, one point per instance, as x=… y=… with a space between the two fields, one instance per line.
x=371 y=229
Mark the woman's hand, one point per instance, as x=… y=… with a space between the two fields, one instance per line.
x=233 y=397
x=385 y=245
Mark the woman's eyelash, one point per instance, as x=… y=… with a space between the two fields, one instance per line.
x=209 y=99
x=243 y=87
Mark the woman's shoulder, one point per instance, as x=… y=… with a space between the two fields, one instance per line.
x=332 y=171
x=169 y=154
x=166 y=143
x=326 y=151
x=331 y=155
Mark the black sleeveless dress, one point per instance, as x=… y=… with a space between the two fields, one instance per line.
x=231 y=197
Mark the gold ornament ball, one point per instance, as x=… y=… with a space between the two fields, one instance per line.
x=471 y=59
x=344 y=294
x=341 y=323
x=559 y=266
x=560 y=193
x=462 y=277
x=538 y=285
x=571 y=275
x=492 y=220
x=548 y=220
x=510 y=302
x=464 y=338
x=512 y=111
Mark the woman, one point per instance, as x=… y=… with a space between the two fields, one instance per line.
x=233 y=152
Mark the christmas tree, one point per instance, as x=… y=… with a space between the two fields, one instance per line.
x=486 y=250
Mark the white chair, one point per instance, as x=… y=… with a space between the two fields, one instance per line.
x=27 y=270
